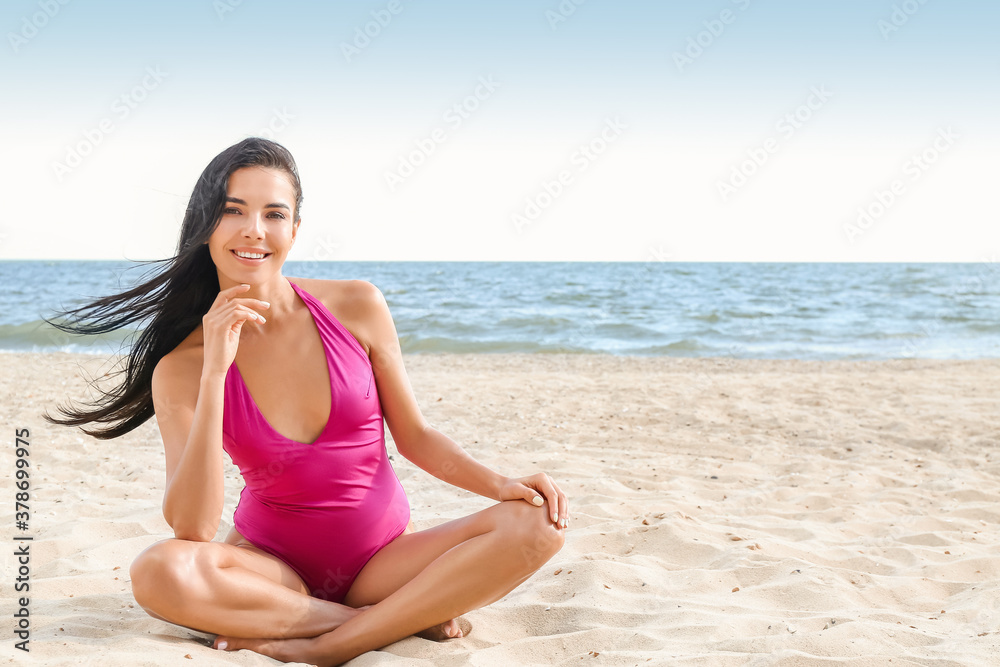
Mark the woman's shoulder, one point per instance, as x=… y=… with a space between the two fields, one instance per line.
x=357 y=304
x=346 y=292
x=184 y=362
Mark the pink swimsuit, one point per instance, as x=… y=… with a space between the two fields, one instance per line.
x=323 y=508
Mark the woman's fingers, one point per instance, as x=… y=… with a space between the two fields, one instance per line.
x=223 y=324
x=225 y=295
x=256 y=304
x=240 y=307
x=247 y=312
x=230 y=296
x=563 y=509
x=547 y=488
x=558 y=503
x=232 y=318
x=529 y=490
x=539 y=489
x=229 y=292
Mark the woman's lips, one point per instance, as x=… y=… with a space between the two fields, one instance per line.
x=251 y=260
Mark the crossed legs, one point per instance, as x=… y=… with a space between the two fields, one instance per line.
x=420 y=580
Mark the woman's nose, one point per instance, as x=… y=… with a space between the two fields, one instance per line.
x=253 y=226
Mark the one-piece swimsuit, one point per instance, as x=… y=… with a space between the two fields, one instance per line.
x=326 y=507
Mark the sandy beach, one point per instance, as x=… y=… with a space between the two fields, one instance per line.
x=724 y=512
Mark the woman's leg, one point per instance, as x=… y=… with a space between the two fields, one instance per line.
x=232 y=588
x=426 y=578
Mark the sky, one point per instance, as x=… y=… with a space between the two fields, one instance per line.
x=553 y=130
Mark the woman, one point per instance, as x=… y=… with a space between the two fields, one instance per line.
x=293 y=377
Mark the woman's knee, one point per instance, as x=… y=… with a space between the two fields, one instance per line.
x=531 y=531
x=165 y=570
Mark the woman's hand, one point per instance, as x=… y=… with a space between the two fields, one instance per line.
x=222 y=325
x=535 y=488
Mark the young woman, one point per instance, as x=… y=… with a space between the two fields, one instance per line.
x=293 y=378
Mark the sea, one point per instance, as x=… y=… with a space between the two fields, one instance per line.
x=813 y=311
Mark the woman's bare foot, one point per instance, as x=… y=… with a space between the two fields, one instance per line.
x=286 y=650
x=310 y=651
x=453 y=629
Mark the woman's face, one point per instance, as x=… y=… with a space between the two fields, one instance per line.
x=256 y=231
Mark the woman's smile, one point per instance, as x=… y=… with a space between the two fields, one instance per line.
x=250 y=256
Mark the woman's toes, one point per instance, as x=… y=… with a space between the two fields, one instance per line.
x=269 y=647
x=235 y=644
x=453 y=629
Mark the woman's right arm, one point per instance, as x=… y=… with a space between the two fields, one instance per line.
x=190 y=419
x=188 y=398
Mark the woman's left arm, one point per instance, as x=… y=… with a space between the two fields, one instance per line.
x=417 y=440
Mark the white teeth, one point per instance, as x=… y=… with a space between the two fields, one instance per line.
x=249 y=255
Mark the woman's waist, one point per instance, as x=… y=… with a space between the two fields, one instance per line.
x=266 y=462
x=329 y=503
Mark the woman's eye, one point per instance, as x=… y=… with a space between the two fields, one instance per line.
x=231 y=210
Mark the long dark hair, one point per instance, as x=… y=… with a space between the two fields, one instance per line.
x=173 y=301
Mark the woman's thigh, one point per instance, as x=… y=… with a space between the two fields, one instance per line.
x=184 y=562
x=255 y=559
x=405 y=557
x=172 y=572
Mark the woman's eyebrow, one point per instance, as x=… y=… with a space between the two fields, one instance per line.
x=237 y=200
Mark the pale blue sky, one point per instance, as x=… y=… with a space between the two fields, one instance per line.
x=675 y=99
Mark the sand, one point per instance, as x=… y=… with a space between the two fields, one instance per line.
x=725 y=512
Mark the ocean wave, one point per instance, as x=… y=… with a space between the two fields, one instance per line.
x=40 y=336
x=537 y=322
x=416 y=345
x=686 y=347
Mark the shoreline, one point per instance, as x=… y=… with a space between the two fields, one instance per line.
x=580 y=353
